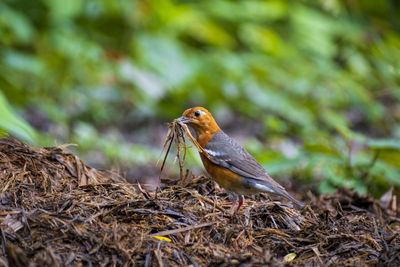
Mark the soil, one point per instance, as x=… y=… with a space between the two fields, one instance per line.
x=57 y=211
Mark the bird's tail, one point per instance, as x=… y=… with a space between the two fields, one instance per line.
x=272 y=187
x=282 y=192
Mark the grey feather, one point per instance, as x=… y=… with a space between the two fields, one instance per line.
x=225 y=152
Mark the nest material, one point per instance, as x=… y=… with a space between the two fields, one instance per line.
x=176 y=133
x=56 y=211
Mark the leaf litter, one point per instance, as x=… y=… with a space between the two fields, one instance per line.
x=57 y=211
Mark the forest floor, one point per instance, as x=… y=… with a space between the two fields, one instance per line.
x=57 y=211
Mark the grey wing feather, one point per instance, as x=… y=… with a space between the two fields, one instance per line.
x=226 y=153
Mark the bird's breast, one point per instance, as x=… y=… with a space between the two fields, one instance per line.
x=225 y=178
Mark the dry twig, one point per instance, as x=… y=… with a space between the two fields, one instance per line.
x=176 y=132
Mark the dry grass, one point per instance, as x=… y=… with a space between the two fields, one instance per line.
x=176 y=133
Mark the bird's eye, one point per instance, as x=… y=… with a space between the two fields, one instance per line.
x=197 y=113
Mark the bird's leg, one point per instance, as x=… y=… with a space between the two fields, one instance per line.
x=233 y=208
x=241 y=201
x=234 y=198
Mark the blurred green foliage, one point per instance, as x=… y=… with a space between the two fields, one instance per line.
x=321 y=77
x=11 y=123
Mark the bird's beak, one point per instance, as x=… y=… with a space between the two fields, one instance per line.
x=184 y=119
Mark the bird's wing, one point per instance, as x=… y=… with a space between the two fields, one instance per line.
x=225 y=152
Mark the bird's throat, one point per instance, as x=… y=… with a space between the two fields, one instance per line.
x=203 y=137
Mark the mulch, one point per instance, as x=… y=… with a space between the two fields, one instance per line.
x=57 y=211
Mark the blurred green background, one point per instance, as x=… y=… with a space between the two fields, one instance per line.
x=311 y=88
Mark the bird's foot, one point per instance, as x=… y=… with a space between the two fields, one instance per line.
x=233 y=208
x=236 y=206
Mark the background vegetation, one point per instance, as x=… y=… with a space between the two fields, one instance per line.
x=310 y=87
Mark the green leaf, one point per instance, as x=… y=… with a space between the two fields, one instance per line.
x=13 y=124
x=24 y=62
x=17 y=23
x=315 y=31
x=326 y=188
x=166 y=57
x=384 y=144
x=281 y=165
x=62 y=10
x=260 y=38
x=391 y=157
x=282 y=104
x=322 y=148
x=259 y=11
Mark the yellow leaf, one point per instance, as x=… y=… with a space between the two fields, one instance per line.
x=162 y=238
x=290 y=257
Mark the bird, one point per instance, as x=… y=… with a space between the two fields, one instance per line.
x=229 y=164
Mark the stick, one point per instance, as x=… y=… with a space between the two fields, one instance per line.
x=176 y=132
x=179 y=230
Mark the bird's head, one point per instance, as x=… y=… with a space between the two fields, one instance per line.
x=200 y=119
